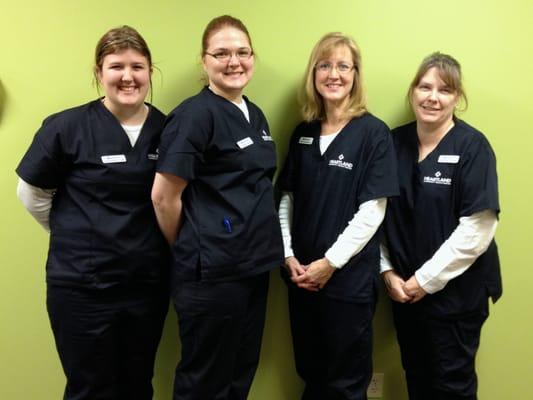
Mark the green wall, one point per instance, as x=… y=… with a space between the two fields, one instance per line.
x=45 y=65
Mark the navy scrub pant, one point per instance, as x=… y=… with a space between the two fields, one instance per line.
x=107 y=339
x=332 y=342
x=438 y=354
x=221 y=327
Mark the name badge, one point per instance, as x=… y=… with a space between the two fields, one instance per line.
x=245 y=142
x=114 y=158
x=267 y=138
x=305 y=140
x=153 y=157
x=448 y=159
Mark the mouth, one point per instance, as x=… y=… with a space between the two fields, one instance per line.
x=234 y=74
x=333 y=85
x=429 y=108
x=127 y=89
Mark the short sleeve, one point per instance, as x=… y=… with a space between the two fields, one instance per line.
x=44 y=164
x=478 y=188
x=288 y=175
x=380 y=176
x=183 y=142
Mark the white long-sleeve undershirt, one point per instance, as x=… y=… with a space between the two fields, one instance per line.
x=467 y=242
x=351 y=241
x=37 y=201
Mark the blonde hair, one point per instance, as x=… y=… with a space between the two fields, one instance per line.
x=449 y=71
x=312 y=102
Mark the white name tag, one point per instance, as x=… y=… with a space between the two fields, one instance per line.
x=153 y=156
x=267 y=138
x=114 y=158
x=305 y=140
x=448 y=159
x=245 y=142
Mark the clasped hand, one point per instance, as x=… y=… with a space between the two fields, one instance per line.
x=313 y=276
x=403 y=291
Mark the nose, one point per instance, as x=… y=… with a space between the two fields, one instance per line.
x=333 y=72
x=234 y=60
x=432 y=95
x=127 y=75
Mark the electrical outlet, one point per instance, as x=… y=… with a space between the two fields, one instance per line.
x=375 y=389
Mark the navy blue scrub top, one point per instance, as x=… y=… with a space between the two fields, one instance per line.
x=103 y=228
x=458 y=178
x=358 y=166
x=230 y=226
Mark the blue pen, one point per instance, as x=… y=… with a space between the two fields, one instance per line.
x=227 y=224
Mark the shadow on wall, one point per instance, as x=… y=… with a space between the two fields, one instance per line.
x=2 y=100
x=168 y=93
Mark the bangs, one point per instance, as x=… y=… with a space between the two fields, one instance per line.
x=449 y=76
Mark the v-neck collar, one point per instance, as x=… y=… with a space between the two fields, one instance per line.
x=334 y=142
x=435 y=150
x=235 y=109
x=117 y=126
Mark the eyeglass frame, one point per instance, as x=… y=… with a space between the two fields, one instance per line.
x=331 y=66
x=230 y=54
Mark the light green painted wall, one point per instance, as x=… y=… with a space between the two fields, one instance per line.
x=45 y=66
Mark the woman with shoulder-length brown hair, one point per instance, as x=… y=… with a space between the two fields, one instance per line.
x=339 y=171
x=86 y=178
x=440 y=263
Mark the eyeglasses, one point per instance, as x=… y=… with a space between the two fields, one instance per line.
x=225 y=55
x=342 y=68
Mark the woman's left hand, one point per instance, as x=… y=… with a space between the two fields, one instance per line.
x=414 y=290
x=317 y=274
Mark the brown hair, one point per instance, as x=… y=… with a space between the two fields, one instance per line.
x=312 y=102
x=449 y=71
x=217 y=24
x=119 y=39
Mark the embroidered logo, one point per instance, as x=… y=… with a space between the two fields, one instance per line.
x=154 y=156
x=340 y=163
x=438 y=179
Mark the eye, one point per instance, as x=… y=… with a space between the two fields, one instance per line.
x=323 y=66
x=343 y=67
x=244 y=53
x=221 y=55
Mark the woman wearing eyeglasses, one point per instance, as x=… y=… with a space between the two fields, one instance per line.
x=214 y=201
x=339 y=171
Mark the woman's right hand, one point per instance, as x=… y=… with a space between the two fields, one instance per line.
x=294 y=267
x=395 y=284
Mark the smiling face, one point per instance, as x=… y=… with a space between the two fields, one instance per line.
x=433 y=101
x=228 y=78
x=125 y=78
x=333 y=79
